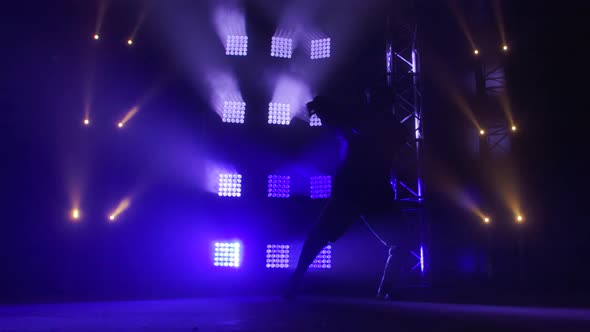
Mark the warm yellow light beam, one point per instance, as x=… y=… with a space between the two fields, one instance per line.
x=463 y=105
x=500 y=22
x=102 y=9
x=444 y=80
x=138 y=25
x=507 y=109
x=128 y=116
x=476 y=51
x=519 y=219
x=513 y=128
x=463 y=25
x=123 y=205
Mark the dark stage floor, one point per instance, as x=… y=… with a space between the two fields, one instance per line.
x=273 y=314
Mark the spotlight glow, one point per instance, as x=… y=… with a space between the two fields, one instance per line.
x=236 y=45
x=513 y=128
x=120 y=125
x=112 y=217
x=96 y=37
x=86 y=122
x=519 y=218
x=279 y=114
x=227 y=254
x=233 y=111
x=323 y=260
x=230 y=185
x=277 y=256
x=320 y=48
x=505 y=48
x=486 y=220
x=279 y=186
x=482 y=132
x=476 y=52
x=75 y=214
x=129 y=42
x=281 y=47
x=320 y=186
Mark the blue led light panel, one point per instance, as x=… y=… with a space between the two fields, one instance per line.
x=320 y=48
x=279 y=186
x=279 y=114
x=230 y=185
x=277 y=256
x=323 y=260
x=315 y=121
x=234 y=111
x=320 y=186
x=236 y=45
x=281 y=47
x=227 y=254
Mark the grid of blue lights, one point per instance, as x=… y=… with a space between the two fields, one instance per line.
x=281 y=47
x=227 y=254
x=320 y=186
x=236 y=45
x=315 y=121
x=279 y=114
x=279 y=186
x=277 y=256
x=230 y=185
x=234 y=111
x=323 y=260
x=320 y=48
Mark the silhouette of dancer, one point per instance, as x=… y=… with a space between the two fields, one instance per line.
x=362 y=183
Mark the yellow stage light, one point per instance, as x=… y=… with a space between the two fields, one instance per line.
x=120 y=124
x=476 y=52
x=513 y=128
x=519 y=218
x=482 y=132
x=486 y=220
x=96 y=37
x=75 y=214
x=112 y=217
x=129 y=42
x=505 y=48
x=86 y=122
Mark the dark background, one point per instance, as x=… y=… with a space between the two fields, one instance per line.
x=45 y=59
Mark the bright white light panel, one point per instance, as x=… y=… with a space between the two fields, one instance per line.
x=323 y=260
x=320 y=186
x=315 y=121
x=236 y=45
x=279 y=186
x=281 y=47
x=234 y=111
x=279 y=114
x=277 y=256
x=227 y=254
x=230 y=185
x=320 y=48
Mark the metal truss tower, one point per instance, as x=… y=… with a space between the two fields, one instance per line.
x=490 y=88
x=403 y=79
